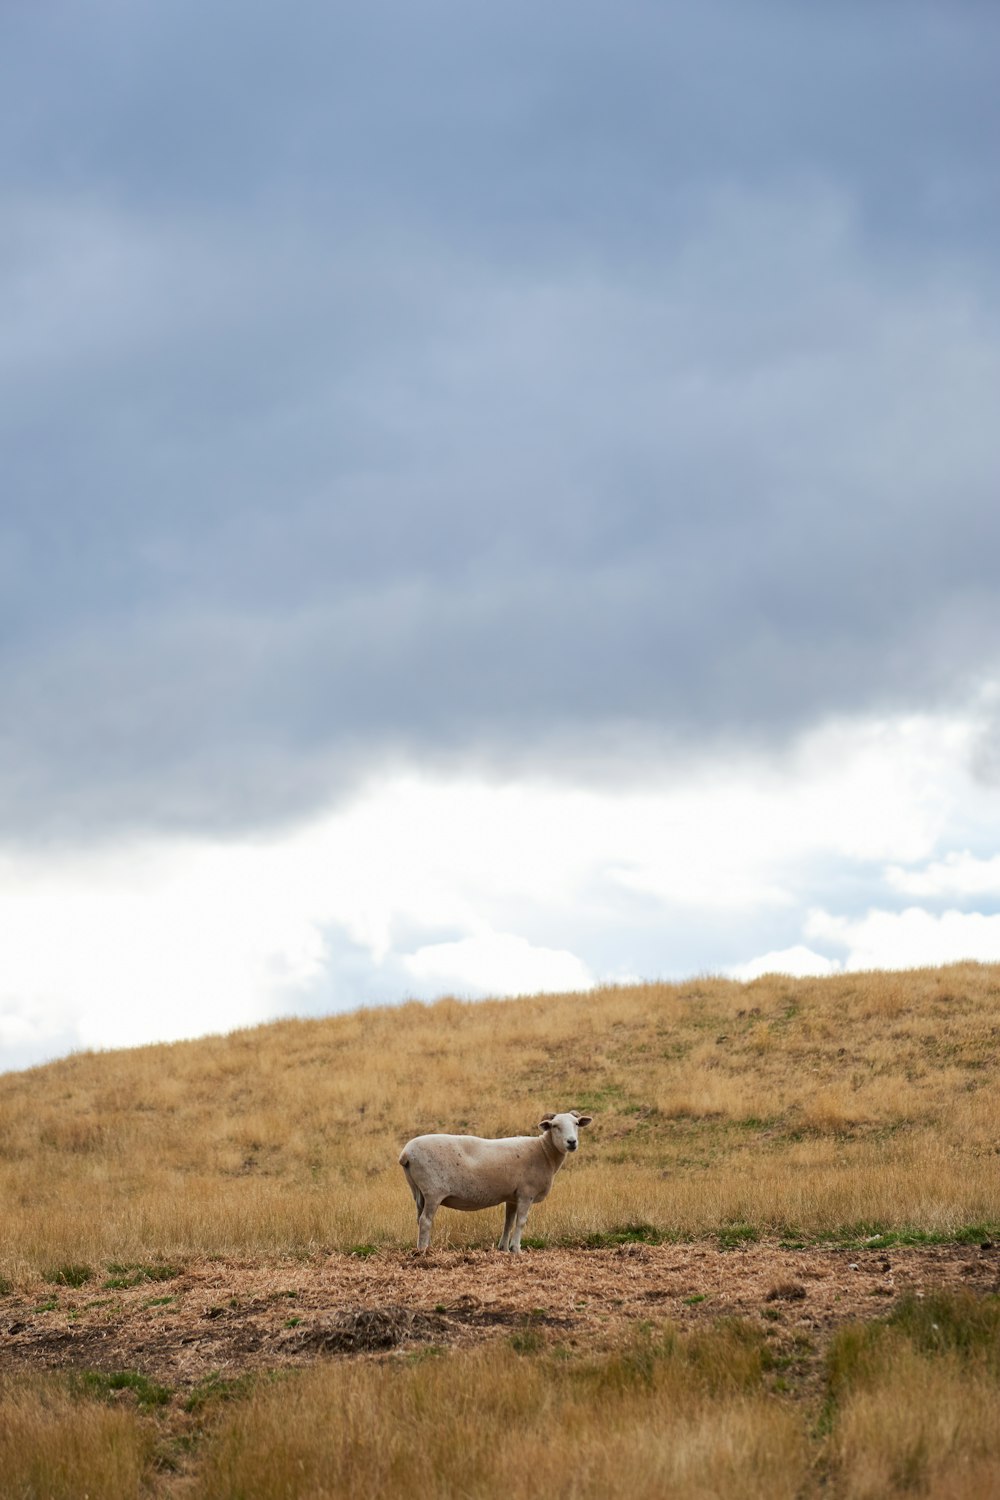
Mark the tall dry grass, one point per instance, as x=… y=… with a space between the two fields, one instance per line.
x=55 y=1447
x=916 y=1400
x=812 y=1105
x=923 y=1427
x=906 y=1406
x=641 y=1425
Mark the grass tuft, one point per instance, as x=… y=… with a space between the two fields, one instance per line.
x=951 y=1322
x=102 y=1385
x=732 y=1236
x=217 y=1389
x=627 y=1234
x=69 y=1275
x=123 y=1277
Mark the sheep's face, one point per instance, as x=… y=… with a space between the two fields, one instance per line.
x=564 y=1130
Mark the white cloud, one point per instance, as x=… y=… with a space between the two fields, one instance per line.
x=958 y=874
x=470 y=886
x=737 y=834
x=909 y=939
x=149 y=944
x=798 y=961
x=497 y=963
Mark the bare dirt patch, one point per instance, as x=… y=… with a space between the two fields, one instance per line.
x=231 y=1318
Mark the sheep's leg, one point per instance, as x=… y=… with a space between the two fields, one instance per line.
x=425 y=1219
x=508 y=1226
x=522 y=1207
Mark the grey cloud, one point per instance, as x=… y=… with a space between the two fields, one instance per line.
x=986 y=752
x=442 y=383
x=516 y=127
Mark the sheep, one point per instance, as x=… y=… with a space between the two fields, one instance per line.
x=468 y=1173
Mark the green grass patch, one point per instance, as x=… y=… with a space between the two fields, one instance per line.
x=942 y=1323
x=104 y=1386
x=215 y=1389
x=527 y=1341
x=869 y=1237
x=626 y=1234
x=362 y=1252
x=732 y=1236
x=957 y=1322
x=602 y=1098
x=977 y=1234
x=69 y=1275
x=122 y=1277
x=851 y=1237
x=6 y=1287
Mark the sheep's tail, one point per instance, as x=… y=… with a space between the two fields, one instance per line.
x=404 y=1162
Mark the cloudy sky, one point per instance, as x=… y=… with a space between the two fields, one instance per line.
x=493 y=498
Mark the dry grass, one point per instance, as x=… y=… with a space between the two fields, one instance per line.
x=910 y=1406
x=917 y=1402
x=643 y=1424
x=924 y=1427
x=805 y=1105
x=54 y=1447
x=826 y=1107
x=654 y=1418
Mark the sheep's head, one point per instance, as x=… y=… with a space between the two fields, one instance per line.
x=563 y=1130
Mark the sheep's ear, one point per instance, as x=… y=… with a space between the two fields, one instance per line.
x=584 y=1119
x=545 y=1124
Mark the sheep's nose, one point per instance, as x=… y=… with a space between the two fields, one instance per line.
x=571 y=1145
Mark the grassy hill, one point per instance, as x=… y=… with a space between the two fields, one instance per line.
x=807 y=1110
x=811 y=1108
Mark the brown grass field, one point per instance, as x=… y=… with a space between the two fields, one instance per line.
x=770 y=1270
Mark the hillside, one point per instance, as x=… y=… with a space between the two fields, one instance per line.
x=806 y=1108
x=770 y=1272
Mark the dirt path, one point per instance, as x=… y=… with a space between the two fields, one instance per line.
x=229 y=1317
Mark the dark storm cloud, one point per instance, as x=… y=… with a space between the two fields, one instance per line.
x=436 y=380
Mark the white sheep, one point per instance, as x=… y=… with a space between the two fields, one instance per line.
x=467 y=1172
